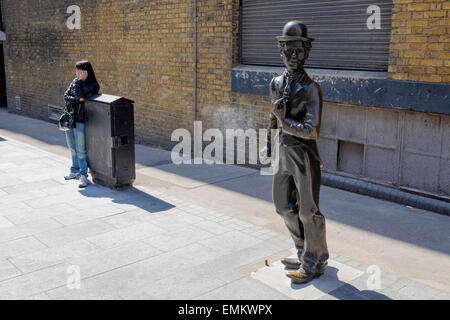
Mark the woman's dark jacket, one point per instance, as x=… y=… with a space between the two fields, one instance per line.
x=79 y=89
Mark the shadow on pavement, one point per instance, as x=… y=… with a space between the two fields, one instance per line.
x=421 y=228
x=129 y=196
x=388 y=219
x=344 y=291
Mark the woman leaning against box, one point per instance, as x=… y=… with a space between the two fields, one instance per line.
x=84 y=85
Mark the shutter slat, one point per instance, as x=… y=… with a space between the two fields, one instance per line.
x=342 y=39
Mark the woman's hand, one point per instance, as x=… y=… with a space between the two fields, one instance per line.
x=82 y=99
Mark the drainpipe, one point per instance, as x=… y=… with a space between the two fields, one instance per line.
x=195 y=60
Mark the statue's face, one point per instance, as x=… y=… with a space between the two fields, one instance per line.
x=293 y=55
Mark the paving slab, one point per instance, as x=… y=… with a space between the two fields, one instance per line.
x=40 y=296
x=192 y=232
x=7 y=180
x=139 y=280
x=117 y=237
x=3 y=193
x=72 y=233
x=51 y=200
x=101 y=261
x=231 y=241
x=192 y=176
x=8 y=270
x=38 y=185
x=40 y=259
x=129 y=218
x=35 y=283
x=5 y=223
x=20 y=217
x=20 y=246
x=213 y=227
x=12 y=201
x=181 y=286
x=336 y=275
x=28 y=229
x=173 y=240
x=243 y=289
x=93 y=212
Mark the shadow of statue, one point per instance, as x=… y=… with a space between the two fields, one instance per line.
x=339 y=289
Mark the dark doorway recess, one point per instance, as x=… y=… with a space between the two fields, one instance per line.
x=3 y=103
x=3 y=100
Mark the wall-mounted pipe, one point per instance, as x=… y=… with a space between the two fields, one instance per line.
x=195 y=60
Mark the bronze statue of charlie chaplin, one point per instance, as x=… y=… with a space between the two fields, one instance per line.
x=296 y=111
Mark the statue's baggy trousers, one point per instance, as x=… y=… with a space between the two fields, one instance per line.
x=296 y=188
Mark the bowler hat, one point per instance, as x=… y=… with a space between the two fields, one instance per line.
x=294 y=31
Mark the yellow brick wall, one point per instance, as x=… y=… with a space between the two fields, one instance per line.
x=420 y=41
x=140 y=49
x=143 y=50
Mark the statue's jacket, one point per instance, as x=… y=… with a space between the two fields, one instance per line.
x=301 y=116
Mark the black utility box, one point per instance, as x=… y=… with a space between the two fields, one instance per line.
x=110 y=140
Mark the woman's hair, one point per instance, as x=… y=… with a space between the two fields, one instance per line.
x=86 y=65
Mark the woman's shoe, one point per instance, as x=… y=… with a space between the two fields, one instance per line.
x=71 y=176
x=83 y=182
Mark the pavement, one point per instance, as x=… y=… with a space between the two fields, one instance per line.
x=193 y=232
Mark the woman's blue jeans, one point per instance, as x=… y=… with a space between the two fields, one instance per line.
x=76 y=141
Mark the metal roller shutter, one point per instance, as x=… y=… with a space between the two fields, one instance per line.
x=342 y=37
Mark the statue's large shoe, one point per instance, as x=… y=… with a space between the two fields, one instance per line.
x=291 y=263
x=294 y=263
x=302 y=276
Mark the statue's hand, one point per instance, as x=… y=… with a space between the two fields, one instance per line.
x=265 y=153
x=278 y=109
x=277 y=104
x=291 y=123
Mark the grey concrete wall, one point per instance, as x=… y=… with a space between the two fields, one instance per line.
x=398 y=147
